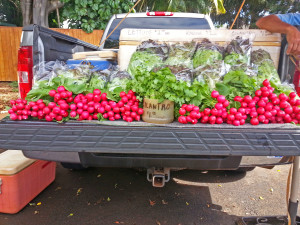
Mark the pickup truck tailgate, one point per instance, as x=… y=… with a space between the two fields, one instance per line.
x=140 y=138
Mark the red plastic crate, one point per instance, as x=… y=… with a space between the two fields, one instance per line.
x=21 y=183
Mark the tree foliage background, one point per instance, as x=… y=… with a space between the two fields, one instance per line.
x=252 y=11
x=94 y=14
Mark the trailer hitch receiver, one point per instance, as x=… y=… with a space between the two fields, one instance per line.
x=158 y=176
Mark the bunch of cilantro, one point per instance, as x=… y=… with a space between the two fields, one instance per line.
x=163 y=85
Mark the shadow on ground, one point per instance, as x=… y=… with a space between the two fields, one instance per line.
x=124 y=196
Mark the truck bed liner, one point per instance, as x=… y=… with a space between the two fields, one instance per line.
x=144 y=138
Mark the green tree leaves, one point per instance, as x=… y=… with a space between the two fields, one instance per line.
x=93 y=14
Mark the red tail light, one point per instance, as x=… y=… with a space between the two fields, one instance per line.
x=25 y=74
x=159 y=14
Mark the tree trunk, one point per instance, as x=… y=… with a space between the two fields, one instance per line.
x=37 y=11
x=26 y=7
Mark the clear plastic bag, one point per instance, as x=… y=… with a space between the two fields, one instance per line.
x=181 y=54
x=45 y=71
x=261 y=61
x=207 y=54
x=148 y=55
x=118 y=79
x=238 y=52
x=208 y=63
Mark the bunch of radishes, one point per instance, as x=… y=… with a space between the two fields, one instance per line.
x=81 y=107
x=265 y=107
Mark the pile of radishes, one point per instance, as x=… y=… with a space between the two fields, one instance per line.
x=81 y=107
x=265 y=107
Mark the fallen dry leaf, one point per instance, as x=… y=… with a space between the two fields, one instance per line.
x=208 y=205
x=152 y=203
x=71 y=214
x=187 y=203
x=278 y=170
x=99 y=175
x=164 y=202
x=157 y=222
x=39 y=203
x=219 y=185
x=36 y=212
x=271 y=190
x=261 y=198
x=58 y=188
x=108 y=199
x=31 y=204
x=79 y=191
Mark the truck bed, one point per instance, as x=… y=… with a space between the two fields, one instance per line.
x=144 y=138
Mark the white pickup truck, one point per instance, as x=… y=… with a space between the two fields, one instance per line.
x=157 y=149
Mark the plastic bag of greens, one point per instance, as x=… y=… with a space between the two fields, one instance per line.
x=238 y=53
x=118 y=79
x=180 y=72
x=46 y=71
x=181 y=54
x=148 y=55
x=210 y=74
x=208 y=63
x=207 y=54
x=262 y=62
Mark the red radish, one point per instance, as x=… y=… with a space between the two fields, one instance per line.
x=85 y=107
x=260 y=110
x=230 y=117
x=238 y=98
x=129 y=119
x=56 y=110
x=85 y=115
x=288 y=110
x=135 y=108
x=63 y=95
x=189 y=108
x=261 y=103
x=265 y=93
x=124 y=99
x=117 y=116
x=101 y=110
x=196 y=109
x=236 y=123
x=221 y=98
x=57 y=96
x=127 y=108
x=184 y=106
x=233 y=111
x=13 y=116
x=284 y=104
x=247 y=98
x=116 y=109
x=89 y=96
x=292 y=95
x=206 y=111
x=140 y=111
x=182 y=111
x=258 y=93
x=283 y=97
x=91 y=109
x=268 y=114
x=242 y=110
x=52 y=93
x=266 y=83
x=61 y=89
x=219 y=120
x=110 y=114
x=73 y=107
x=103 y=97
x=238 y=116
x=46 y=110
x=59 y=118
x=254 y=121
x=214 y=94
x=226 y=103
x=214 y=112
x=218 y=105
x=73 y=114
x=97 y=92
x=122 y=94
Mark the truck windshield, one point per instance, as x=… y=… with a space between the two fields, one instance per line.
x=152 y=23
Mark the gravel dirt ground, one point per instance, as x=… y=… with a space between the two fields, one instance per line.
x=8 y=91
x=124 y=196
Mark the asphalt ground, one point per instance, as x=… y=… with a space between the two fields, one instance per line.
x=124 y=196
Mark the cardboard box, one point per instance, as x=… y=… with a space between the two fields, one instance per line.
x=22 y=179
